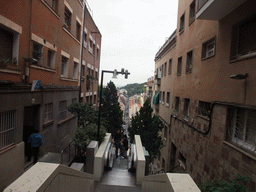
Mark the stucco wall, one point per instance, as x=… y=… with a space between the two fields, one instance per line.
x=12 y=165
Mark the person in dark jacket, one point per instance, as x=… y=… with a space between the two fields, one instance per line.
x=35 y=141
x=124 y=146
x=117 y=140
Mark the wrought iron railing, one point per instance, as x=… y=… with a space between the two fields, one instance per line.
x=68 y=153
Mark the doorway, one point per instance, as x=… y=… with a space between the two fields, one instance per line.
x=30 y=122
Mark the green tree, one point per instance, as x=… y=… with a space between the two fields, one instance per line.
x=147 y=126
x=87 y=124
x=85 y=113
x=236 y=184
x=111 y=111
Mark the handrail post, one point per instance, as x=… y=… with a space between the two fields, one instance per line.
x=61 y=160
x=68 y=152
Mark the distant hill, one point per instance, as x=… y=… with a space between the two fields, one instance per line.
x=135 y=88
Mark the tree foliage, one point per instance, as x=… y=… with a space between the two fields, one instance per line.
x=85 y=113
x=147 y=126
x=87 y=123
x=134 y=89
x=236 y=184
x=111 y=111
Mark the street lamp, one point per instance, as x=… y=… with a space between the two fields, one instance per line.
x=115 y=73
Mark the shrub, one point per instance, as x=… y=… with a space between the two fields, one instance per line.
x=236 y=184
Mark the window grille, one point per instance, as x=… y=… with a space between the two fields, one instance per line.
x=7 y=129
x=67 y=19
x=208 y=48
x=204 y=108
x=241 y=128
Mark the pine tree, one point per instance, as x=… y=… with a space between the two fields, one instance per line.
x=111 y=112
x=147 y=126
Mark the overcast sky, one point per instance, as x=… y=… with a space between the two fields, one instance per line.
x=132 y=33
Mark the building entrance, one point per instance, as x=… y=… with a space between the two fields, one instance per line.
x=30 y=122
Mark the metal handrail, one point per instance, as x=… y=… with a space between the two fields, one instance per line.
x=68 y=146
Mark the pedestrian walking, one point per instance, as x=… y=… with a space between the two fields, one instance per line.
x=35 y=141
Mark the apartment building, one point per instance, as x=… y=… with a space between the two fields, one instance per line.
x=42 y=70
x=90 y=61
x=204 y=91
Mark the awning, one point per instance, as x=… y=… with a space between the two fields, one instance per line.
x=156 y=98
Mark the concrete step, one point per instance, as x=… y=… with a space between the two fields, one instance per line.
x=114 y=188
x=118 y=179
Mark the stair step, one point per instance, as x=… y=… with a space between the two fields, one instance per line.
x=115 y=188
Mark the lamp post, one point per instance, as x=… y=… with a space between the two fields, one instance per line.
x=115 y=73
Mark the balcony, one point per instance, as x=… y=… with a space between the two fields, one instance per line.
x=216 y=9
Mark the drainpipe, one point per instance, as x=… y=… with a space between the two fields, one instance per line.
x=25 y=77
x=82 y=51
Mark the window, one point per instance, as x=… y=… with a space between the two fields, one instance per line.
x=170 y=66
x=75 y=71
x=95 y=100
x=241 y=128
x=168 y=99
x=91 y=99
x=48 y=112
x=7 y=129
x=192 y=12
x=160 y=97
x=78 y=31
x=93 y=49
x=204 y=109
x=243 y=38
x=88 y=71
x=179 y=66
x=208 y=49
x=9 y=47
x=96 y=74
x=85 y=40
x=53 y=4
x=165 y=68
x=90 y=46
x=67 y=19
x=189 y=61
x=82 y=72
x=186 y=108
x=6 y=45
x=163 y=97
x=62 y=110
x=182 y=22
x=37 y=53
x=50 y=58
x=64 y=67
x=98 y=53
x=177 y=104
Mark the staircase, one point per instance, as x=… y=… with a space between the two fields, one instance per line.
x=118 y=179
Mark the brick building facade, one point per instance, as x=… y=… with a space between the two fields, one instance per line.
x=42 y=40
x=205 y=84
